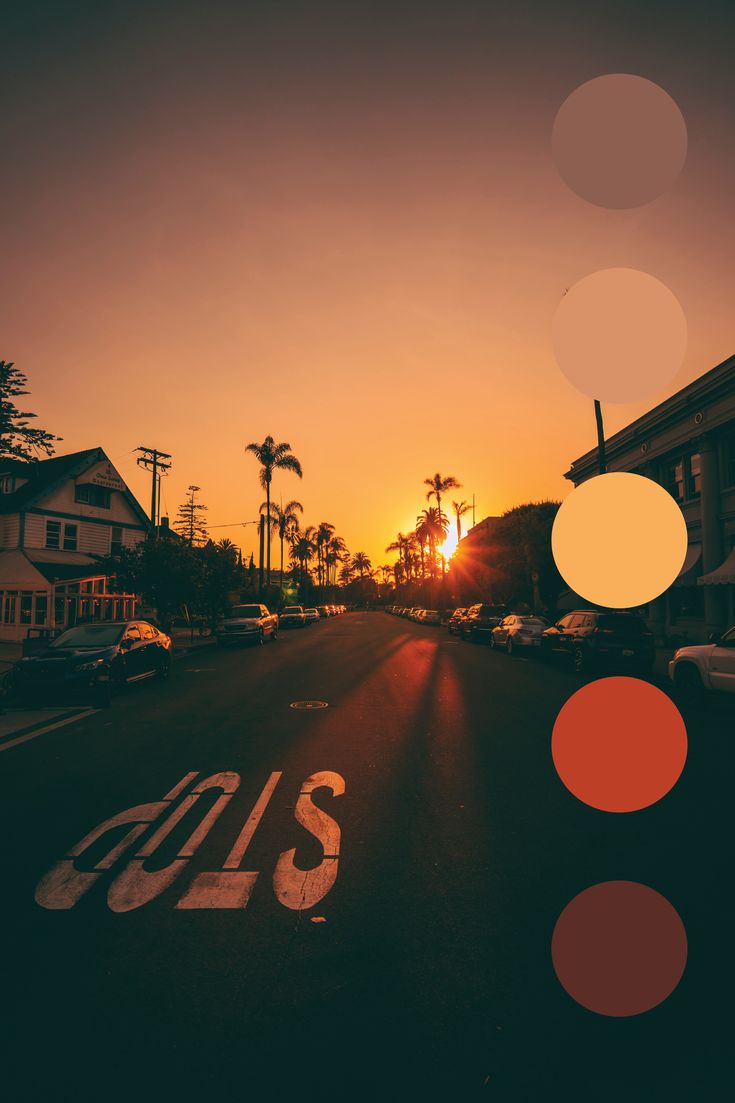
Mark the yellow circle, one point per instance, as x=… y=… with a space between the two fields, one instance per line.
x=619 y=540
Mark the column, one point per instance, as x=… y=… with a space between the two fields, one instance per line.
x=712 y=547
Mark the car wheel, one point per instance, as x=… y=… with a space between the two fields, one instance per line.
x=580 y=660
x=509 y=645
x=164 y=668
x=261 y=638
x=688 y=683
x=493 y=645
x=274 y=635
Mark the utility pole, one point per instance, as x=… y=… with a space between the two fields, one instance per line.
x=155 y=462
x=261 y=534
x=473 y=510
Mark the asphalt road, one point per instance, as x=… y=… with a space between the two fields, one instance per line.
x=424 y=971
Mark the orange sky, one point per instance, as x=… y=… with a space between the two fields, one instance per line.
x=342 y=229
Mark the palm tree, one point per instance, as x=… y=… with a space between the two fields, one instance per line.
x=282 y=520
x=302 y=549
x=272 y=456
x=324 y=534
x=401 y=544
x=601 y=457
x=460 y=508
x=361 y=563
x=432 y=525
x=439 y=485
x=334 y=552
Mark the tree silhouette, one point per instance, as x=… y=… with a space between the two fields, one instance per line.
x=18 y=439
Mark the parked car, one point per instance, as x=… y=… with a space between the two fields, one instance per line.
x=91 y=657
x=595 y=638
x=323 y=611
x=293 y=616
x=312 y=616
x=415 y=612
x=479 y=622
x=701 y=668
x=518 y=632
x=454 y=622
x=430 y=616
x=247 y=624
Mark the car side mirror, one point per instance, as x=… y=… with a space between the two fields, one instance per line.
x=714 y=637
x=126 y=644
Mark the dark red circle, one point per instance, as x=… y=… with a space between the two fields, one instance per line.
x=619 y=948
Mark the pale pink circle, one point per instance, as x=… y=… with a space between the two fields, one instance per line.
x=619 y=335
x=619 y=141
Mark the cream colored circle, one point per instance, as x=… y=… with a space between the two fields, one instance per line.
x=619 y=335
x=619 y=540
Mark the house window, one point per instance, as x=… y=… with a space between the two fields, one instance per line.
x=41 y=611
x=70 y=537
x=92 y=495
x=683 y=477
x=26 y=607
x=53 y=534
x=7 y=484
x=116 y=540
x=9 y=607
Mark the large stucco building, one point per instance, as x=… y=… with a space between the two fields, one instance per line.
x=687 y=444
x=58 y=519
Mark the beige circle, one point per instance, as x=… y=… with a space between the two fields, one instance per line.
x=619 y=141
x=619 y=335
x=619 y=540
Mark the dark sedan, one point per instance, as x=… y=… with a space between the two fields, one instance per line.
x=596 y=639
x=479 y=621
x=92 y=657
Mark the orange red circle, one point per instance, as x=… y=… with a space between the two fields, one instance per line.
x=619 y=744
x=619 y=948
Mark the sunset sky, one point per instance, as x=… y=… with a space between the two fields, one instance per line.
x=339 y=224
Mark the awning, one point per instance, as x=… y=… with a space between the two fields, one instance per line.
x=724 y=575
x=691 y=560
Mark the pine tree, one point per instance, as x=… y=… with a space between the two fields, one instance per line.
x=18 y=439
x=190 y=523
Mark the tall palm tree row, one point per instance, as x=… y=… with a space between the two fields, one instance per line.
x=282 y=520
x=438 y=485
x=272 y=457
x=419 y=552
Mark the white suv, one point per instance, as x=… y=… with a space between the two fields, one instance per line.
x=706 y=666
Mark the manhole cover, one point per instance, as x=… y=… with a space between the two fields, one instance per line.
x=309 y=705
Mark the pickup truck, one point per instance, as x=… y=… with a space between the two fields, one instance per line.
x=247 y=624
x=703 y=667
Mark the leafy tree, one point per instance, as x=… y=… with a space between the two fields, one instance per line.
x=18 y=439
x=190 y=523
x=272 y=457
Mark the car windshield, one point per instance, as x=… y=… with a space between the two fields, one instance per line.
x=621 y=622
x=311 y=611
x=292 y=609
x=491 y=611
x=432 y=612
x=240 y=611
x=90 y=635
x=532 y=620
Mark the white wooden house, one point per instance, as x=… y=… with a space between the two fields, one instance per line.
x=58 y=518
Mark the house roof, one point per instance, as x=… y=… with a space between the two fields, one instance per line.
x=44 y=475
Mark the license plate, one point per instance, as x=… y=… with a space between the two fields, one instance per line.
x=628 y=654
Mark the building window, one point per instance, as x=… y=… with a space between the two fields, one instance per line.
x=116 y=540
x=26 y=607
x=53 y=534
x=673 y=479
x=683 y=477
x=40 y=615
x=70 y=537
x=9 y=607
x=694 y=475
x=7 y=484
x=92 y=495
